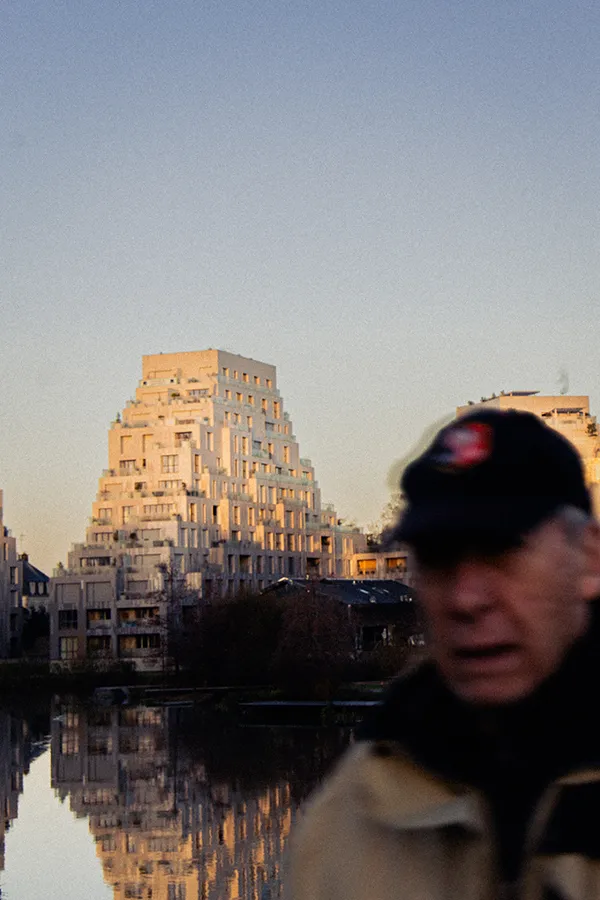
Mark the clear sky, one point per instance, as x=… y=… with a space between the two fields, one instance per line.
x=396 y=203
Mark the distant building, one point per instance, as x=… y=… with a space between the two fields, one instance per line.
x=35 y=585
x=378 y=609
x=10 y=593
x=381 y=564
x=566 y=413
x=205 y=481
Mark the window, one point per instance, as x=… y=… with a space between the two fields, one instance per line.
x=155 y=510
x=291 y=542
x=126 y=514
x=98 y=646
x=193 y=512
x=245 y=377
x=127 y=466
x=67 y=618
x=238 y=397
x=395 y=563
x=235 y=373
x=276 y=409
x=251 y=399
x=225 y=371
x=236 y=515
x=264 y=405
x=93 y=615
x=269 y=383
x=169 y=463
x=249 y=421
x=147 y=641
x=251 y=516
x=245 y=445
x=256 y=379
x=181 y=436
x=366 y=566
x=69 y=740
x=228 y=394
x=14 y=576
x=138 y=642
x=105 y=515
x=286 y=453
x=68 y=648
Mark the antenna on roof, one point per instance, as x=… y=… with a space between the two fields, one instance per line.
x=563 y=381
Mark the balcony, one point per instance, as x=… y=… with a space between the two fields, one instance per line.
x=151 y=622
x=100 y=625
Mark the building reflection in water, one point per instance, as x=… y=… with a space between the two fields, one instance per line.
x=182 y=809
x=20 y=744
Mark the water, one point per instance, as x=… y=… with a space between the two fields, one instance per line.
x=150 y=803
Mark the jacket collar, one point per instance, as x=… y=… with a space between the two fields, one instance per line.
x=395 y=791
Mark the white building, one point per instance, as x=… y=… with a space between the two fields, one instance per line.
x=204 y=480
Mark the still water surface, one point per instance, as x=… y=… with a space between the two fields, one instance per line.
x=150 y=803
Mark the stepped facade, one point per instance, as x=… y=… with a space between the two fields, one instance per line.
x=205 y=495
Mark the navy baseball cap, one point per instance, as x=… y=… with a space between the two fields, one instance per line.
x=491 y=473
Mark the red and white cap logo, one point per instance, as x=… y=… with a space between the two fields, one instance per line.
x=467 y=445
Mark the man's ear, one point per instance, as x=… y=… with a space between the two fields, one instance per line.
x=590 y=584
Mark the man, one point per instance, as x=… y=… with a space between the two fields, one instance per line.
x=479 y=777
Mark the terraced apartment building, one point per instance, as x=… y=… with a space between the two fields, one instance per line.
x=205 y=495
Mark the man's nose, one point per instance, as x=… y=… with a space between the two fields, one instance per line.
x=470 y=590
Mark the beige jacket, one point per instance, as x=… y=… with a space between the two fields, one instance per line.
x=382 y=828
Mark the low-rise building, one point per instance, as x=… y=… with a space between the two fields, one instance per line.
x=35 y=585
x=381 y=564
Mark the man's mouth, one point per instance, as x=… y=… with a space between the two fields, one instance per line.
x=490 y=651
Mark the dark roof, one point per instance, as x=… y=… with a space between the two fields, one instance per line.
x=353 y=593
x=30 y=573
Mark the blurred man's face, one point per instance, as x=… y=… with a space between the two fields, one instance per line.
x=499 y=624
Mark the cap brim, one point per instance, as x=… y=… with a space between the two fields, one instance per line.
x=491 y=517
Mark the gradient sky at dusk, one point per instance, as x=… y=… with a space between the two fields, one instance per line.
x=396 y=203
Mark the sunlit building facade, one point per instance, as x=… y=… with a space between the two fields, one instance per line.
x=204 y=479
